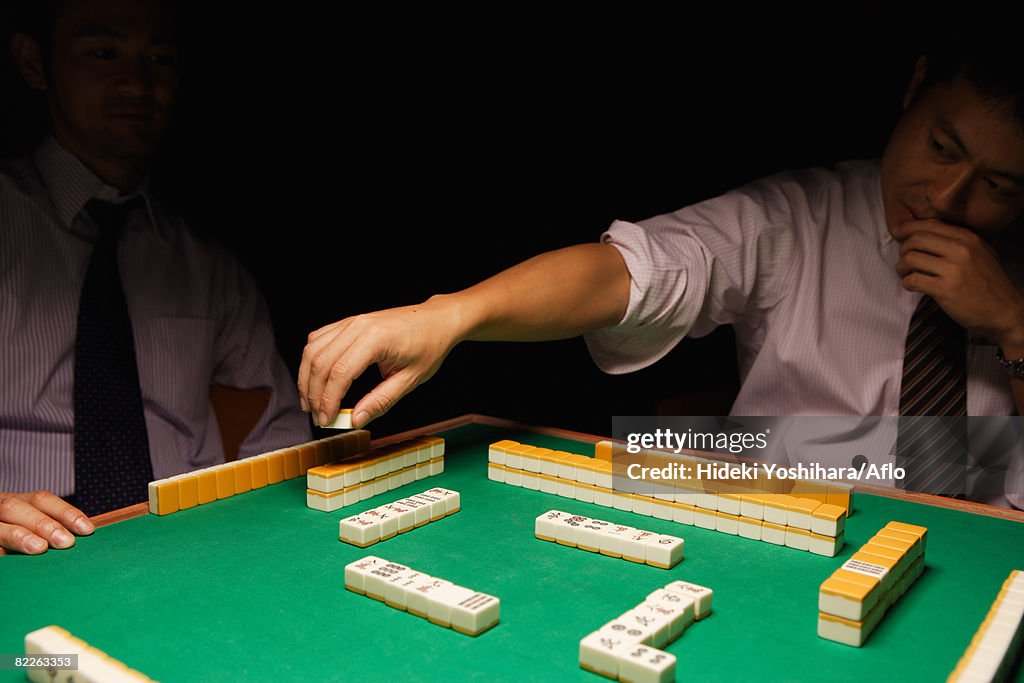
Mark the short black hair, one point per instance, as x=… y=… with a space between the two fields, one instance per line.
x=984 y=50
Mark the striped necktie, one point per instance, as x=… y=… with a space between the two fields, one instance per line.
x=112 y=466
x=932 y=435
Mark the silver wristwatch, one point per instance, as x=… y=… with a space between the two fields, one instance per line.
x=1014 y=367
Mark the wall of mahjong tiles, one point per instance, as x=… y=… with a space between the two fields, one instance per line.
x=252 y=588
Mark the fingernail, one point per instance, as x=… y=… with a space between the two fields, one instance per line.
x=62 y=539
x=362 y=417
x=36 y=545
x=84 y=526
x=323 y=419
x=304 y=404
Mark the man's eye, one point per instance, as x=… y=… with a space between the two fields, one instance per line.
x=938 y=147
x=103 y=53
x=1001 y=190
x=164 y=58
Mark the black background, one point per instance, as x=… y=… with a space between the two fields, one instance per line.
x=360 y=158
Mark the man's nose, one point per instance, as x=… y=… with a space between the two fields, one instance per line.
x=136 y=77
x=947 y=193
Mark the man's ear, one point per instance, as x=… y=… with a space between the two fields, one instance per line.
x=915 y=81
x=29 y=60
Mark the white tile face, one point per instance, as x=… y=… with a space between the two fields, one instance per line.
x=707 y=501
x=643 y=505
x=641 y=664
x=388 y=520
x=530 y=463
x=351 y=477
x=530 y=480
x=600 y=653
x=359 y=530
x=406 y=515
x=496 y=474
x=828 y=527
x=752 y=508
x=514 y=477
x=476 y=613
x=603 y=497
x=376 y=580
x=513 y=460
x=826 y=546
x=749 y=529
x=625 y=630
x=584 y=493
x=585 y=475
x=772 y=534
x=420 y=509
x=604 y=479
x=622 y=501
x=436 y=467
x=441 y=601
x=729 y=505
x=568 y=529
x=356 y=572
x=701 y=596
x=682 y=515
x=549 y=485
x=546 y=525
x=676 y=620
x=613 y=538
x=436 y=504
x=705 y=519
x=566 y=470
x=588 y=535
x=660 y=509
x=681 y=604
x=394 y=588
x=549 y=467
x=634 y=545
x=653 y=622
x=566 y=489
x=663 y=550
x=418 y=594
x=411 y=457
x=727 y=524
x=452 y=499
x=797 y=540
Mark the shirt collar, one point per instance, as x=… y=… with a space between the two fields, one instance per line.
x=877 y=205
x=71 y=184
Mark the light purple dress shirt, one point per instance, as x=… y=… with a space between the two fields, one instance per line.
x=802 y=265
x=197 y=315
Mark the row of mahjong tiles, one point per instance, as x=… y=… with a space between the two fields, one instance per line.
x=611 y=460
x=229 y=479
x=781 y=519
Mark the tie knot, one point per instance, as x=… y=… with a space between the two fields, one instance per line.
x=111 y=217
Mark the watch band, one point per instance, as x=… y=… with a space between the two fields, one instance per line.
x=1014 y=367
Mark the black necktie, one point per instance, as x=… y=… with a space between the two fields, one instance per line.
x=112 y=466
x=932 y=435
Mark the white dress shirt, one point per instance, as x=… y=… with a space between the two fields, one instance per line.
x=197 y=316
x=802 y=265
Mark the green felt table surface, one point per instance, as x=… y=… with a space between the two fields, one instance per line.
x=252 y=589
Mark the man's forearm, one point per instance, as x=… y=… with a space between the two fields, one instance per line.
x=555 y=295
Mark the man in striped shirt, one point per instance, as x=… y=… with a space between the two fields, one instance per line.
x=109 y=72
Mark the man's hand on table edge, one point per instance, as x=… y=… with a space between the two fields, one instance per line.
x=31 y=523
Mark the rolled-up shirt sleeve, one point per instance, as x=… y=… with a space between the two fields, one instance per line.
x=666 y=293
x=726 y=259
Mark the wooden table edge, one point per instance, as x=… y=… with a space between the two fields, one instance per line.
x=130 y=512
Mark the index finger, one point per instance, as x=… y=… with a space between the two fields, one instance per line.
x=935 y=226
